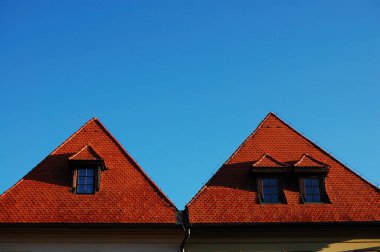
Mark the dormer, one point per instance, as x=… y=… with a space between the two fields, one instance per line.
x=311 y=175
x=86 y=166
x=269 y=175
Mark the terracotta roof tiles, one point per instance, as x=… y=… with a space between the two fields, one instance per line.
x=127 y=195
x=230 y=196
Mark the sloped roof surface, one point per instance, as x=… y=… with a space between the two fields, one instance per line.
x=230 y=196
x=127 y=195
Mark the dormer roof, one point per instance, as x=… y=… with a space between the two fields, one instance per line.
x=86 y=153
x=308 y=164
x=308 y=161
x=267 y=162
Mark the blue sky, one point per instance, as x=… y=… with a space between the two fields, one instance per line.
x=182 y=83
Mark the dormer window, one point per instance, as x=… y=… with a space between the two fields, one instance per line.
x=269 y=175
x=270 y=190
x=86 y=166
x=85 y=181
x=312 y=190
x=311 y=178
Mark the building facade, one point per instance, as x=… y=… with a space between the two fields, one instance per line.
x=88 y=195
x=281 y=192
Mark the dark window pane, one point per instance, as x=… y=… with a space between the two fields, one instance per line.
x=81 y=180
x=81 y=172
x=273 y=182
x=315 y=182
x=307 y=182
x=270 y=190
x=309 y=198
x=89 y=189
x=85 y=181
x=90 y=172
x=273 y=190
x=274 y=198
x=312 y=190
x=80 y=189
x=316 y=198
x=266 y=182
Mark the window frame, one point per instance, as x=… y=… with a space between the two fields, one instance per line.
x=280 y=189
x=322 y=191
x=94 y=182
x=86 y=165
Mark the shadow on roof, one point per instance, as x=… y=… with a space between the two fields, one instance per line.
x=239 y=176
x=54 y=169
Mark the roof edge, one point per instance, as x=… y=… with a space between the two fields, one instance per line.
x=325 y=152
x=64 y=225
x=134 y=162
x=285 y=224
x=233 y=154
x=56 y=149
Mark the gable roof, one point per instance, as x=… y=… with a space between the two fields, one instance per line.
x=126 y=196
x=230 y=196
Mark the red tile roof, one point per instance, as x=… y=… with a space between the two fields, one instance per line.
x=127 y=195
x=230 y=196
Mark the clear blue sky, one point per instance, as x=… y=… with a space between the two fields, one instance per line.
x=182 y=83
